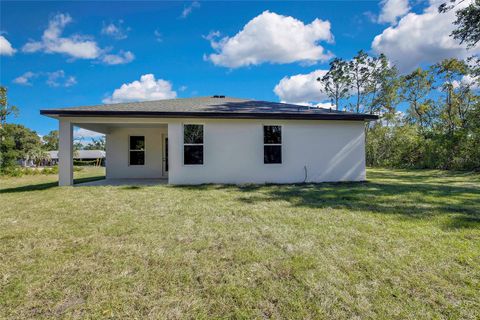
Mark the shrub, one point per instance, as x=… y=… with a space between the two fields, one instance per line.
x=12 y=171
x=84 y=162
x=17 y=171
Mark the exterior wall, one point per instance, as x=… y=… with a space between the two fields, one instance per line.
x=117 y=153
x=233 y=152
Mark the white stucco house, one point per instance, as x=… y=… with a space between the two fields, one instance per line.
x=219 y=140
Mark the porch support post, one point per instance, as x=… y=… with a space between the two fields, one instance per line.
x=65 y=153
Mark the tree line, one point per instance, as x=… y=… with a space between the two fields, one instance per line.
x=441 y=125
x=17 y=142
x=439 y=129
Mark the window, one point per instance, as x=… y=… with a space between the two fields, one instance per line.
x=272 y=144
x=136 y=151
x=193 y=144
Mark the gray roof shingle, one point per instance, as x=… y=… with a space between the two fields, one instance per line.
x=209 y=107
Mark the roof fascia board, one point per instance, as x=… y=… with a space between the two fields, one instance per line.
x=211 y=115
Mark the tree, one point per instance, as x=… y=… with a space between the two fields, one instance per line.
x=467 y=101
x=467 y=30
x=467 y=22
x=38 y=155
x=96 y=144
x=361 y=69
x=470 y=150
x=6 y=109
x=474 y=66
x=450 y=73
x=7 y=155
x=383 y=88
x=336 y=82
x=373 y=81
x=77 y=145
x=415 y=90
x=456 y=105
x=51 y=140
x=442 y=127
x=19 y=143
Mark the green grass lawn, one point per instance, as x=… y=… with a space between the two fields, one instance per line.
x=406 y=244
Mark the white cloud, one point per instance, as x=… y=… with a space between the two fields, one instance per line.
x=79 y=46
x=25 y=78
x=372 y=17
x=467 y=80
x=324 y=105
x=116 y=31
x=6 y=48
x=212 y=35
x=81 y=133
x=188 y=9
x=392 y=10
x=158 y=36
x=148 y=88
x=75 y=46
x=53 y=79
x=60 y=79
x=422 y=38
x=122 y=57
x=302 y=89
x=273 y=38
x=473 y=82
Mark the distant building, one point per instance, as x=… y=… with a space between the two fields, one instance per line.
x=96 y=157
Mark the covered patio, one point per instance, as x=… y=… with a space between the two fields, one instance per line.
x=143 y=164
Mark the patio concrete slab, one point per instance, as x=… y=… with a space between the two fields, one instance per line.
x=123 y=182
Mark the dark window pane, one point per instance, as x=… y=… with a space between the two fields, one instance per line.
x=272 y=154
x=272 y=134
x=137 y=143
x=193 y=133
x=193 y=154
x=137 y=158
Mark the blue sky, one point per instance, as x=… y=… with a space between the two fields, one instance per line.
x=93 y=48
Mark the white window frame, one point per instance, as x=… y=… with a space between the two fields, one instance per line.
x=273 y=144
x=192 y=144
x=144 y=150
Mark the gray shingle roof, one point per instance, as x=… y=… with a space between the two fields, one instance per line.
x=209 y=107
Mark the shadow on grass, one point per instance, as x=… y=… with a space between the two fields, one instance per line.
x=88 y=179
x=463 y=222
x=404 y=196
x=132 y=187
x=31 y=187
x=44 y=186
